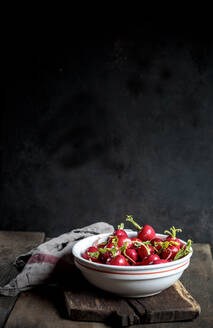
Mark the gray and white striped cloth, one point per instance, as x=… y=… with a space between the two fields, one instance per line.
x=37 y=266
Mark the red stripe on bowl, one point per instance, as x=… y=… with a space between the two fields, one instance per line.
x=132 y=273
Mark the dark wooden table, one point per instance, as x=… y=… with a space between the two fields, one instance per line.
x=44 y=307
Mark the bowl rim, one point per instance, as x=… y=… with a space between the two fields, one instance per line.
x=126 y=268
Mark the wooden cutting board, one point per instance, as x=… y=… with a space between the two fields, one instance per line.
x=85 y=302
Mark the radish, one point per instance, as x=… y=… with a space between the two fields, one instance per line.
x=158 y=244
x=119 y=242
x=145 y=250
x=100 y=245
x=172 y=236
x=150 y=259
x=108 y=255
x=160 y=261
x=170 y=252
x=123 y=240
x=181 y=244
x=144 y=233
x=184 y=250
x=134 y=239
x=130 y=253
x=111 y=243
x=120 y=232
x=118 y=260
x=110 y=250
x=139 y=263
x=91 y=254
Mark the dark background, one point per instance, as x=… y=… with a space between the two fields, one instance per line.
x=111 y=119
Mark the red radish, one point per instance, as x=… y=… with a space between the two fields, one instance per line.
x=118 y=260
x=172 y=236
x=109 y=255
x=160 y=261
x=97 y=244
x=111 y=244
x=170 y=252
x=111 y=249
x=145 y=250
x=144 y=233
x=91 y=254
x=139 y=263
x=119 y=249
x=176 y=241
x=150 y=259
x=156 y=242
x=116 y=243
x=182 y=245
x=100 y=245
x=131 y=254
x=109 y=259
x=120 y=232
x=134 y=239
x=136 y=242
x=184 y=250
x=123 y=240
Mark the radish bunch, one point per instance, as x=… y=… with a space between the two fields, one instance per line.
x=145 y=249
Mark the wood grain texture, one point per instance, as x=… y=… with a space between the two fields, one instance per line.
x=173 y=304
x=91 y=304
x=13 y=244
x=45 y=308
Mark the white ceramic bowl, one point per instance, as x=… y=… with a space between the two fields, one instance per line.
x=128 y=281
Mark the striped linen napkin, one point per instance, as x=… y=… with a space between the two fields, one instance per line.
x=37 y=266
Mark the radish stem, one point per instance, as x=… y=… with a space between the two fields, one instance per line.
x=130 y=219
x=173 y=231
x=121 y=226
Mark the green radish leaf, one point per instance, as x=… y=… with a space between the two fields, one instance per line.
x=173 y=231
x=138 y=243
x=124 y=247
x=104 y=250
x=115 y=241
x=175 y=243
x=121 y=226
x=165 y=245
x=94 y=255
x=113 y=251
x=184 y=251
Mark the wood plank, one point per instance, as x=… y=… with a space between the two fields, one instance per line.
x=45 y=308
x=13 y=244
x=173 y=304
x=87 y=303
x=91 y=304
